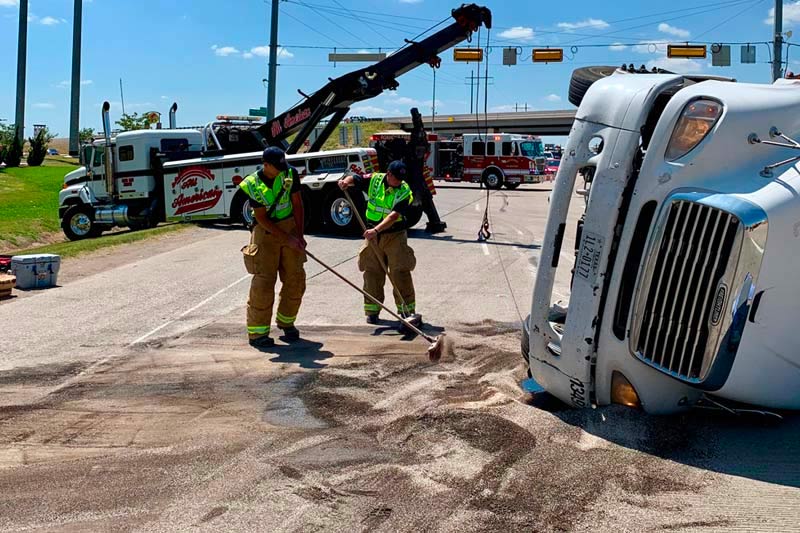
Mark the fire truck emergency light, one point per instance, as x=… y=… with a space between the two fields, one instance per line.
x=686 y=51
x=548 y=55
x=468 y=54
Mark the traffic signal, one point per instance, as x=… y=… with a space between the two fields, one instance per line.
x=548 y=55
x=468 y=54
x=688 y=51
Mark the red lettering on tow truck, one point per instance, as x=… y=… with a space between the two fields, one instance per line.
x=202 y=199
x=300 y=116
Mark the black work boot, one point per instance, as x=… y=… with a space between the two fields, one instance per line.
x=290 y=333
x=372 y=319
x=264 y=341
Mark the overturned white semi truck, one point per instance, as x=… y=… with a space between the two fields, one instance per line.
x=685 y=282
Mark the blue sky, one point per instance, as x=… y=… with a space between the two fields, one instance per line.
x=210 y=56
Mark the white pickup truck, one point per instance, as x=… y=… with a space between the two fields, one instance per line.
x=684 y=285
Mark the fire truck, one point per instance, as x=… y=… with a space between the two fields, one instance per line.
x=140 y=178
x=503 y=159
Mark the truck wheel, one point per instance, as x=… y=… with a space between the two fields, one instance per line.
x=339 y=216
x=78 y=223
x=493 y=179
x=241 y=211
x=583 y=78
x=511 y=186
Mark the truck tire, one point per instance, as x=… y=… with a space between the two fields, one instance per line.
x=241 y=211
x=78 y=223
x=583 y=78
x=492 y=178
x=338 y=214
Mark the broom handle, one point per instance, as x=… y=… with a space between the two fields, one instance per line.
x=374 y=248
x=405 y=322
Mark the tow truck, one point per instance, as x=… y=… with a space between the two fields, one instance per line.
x=140 y=178
x=684 y=282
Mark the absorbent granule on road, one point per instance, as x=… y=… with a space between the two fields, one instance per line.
x=353 y=432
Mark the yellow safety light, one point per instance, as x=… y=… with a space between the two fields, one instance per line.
x=468 y=54
x=548 y=55
x=686 y=51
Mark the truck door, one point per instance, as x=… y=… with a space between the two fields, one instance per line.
x=194 y=192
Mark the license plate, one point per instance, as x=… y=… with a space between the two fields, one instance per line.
x=589 y=256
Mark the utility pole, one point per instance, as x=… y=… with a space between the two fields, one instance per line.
x=777 y=43
x=471 y=74
x=22 y=57
x=433 y=113
x=75 y=104
x=273 y=60
x=121 y=96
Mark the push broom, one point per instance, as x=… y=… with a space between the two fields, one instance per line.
x=437 y=343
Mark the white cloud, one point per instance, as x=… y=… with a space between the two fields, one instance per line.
x=672 y=30
x=224 y=51
x=552 y=98
x=44 y=105
x=678 y=65
x=263 y=51
x=368 y=110
x=791 y=14
x=617 y=47
x=8 y=3
x=518 y=32
x=50 y=21
x=66 y=84
x=164 y=97
x=588 y=23
x=502 y=108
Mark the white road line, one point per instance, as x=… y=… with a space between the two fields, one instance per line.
x=485 y=248
x=189 y=311
x=477 y=207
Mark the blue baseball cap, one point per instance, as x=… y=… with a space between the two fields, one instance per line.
x=398 y=169
x=275 y=157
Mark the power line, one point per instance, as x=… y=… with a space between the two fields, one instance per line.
x=329 y=20
x=311 y=27
x=730 y=18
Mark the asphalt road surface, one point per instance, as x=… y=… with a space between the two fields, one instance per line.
x=130 y=401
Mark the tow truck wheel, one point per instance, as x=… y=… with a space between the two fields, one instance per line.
x=492 y=179
x=78 y=223
x=241 y=211
x=339 y=216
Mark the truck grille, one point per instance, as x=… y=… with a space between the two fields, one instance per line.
x=685 y=294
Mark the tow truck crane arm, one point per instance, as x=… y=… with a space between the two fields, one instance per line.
x=336 y=97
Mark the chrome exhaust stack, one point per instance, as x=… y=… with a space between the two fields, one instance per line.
x=109 y=156
x=172 y=111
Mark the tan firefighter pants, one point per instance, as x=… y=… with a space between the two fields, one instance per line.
x=273 y=259
x=399 y=257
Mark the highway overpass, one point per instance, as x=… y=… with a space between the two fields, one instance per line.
x=532 y=122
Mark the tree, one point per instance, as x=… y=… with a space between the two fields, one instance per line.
x=133 y=122
x=86 y=135
x=39 y=147
x=13 y=152
x=6 y=138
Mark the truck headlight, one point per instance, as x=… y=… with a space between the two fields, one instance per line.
x=697 y=119
x=622 y=392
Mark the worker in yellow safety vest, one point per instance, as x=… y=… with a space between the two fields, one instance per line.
x=388 y=206
x=277 y=248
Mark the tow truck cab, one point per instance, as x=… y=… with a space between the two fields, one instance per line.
x=685 y=276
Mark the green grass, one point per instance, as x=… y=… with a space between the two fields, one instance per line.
x=72 y=249
x=29 y=202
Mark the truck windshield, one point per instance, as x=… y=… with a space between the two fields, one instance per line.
x=531 y=148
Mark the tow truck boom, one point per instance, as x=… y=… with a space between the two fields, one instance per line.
x=336 y=97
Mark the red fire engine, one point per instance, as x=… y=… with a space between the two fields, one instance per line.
x=499 y=159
